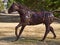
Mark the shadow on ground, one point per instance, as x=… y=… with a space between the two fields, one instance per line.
x=31 y=40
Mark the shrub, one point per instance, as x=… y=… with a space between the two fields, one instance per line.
x=1 y=6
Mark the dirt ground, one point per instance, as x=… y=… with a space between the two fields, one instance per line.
x=30 y=36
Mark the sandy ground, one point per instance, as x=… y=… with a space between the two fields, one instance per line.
x=30 y=35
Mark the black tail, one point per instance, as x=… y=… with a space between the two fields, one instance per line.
x=57 y=19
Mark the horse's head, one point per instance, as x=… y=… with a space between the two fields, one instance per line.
x=14 y=7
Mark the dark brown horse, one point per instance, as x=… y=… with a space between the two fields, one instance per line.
x=28 y=17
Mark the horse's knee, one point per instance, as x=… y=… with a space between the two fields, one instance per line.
x=51 y=28
x=16 y=27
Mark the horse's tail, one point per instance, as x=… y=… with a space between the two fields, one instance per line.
x=55 y=11
x=56 y=18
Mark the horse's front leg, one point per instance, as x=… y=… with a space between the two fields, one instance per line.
x=22 y=28
x=46 y=32
x=16 y=28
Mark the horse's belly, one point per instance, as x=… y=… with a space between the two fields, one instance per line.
x=35 y=22
x=36 y=19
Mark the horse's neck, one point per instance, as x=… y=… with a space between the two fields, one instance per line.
x=22 y=16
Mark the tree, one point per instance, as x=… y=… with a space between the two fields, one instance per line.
x=37 y=5
x=9 y=3
x=1 y=6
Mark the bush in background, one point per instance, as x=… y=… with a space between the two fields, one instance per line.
x=1 y=6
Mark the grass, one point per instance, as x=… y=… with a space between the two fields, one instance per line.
x=30 y=36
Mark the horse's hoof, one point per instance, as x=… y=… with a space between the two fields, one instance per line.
x=13 y=40
x=41 y=40
x=54 y=37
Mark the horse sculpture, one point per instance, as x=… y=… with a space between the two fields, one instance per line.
x=28 y=17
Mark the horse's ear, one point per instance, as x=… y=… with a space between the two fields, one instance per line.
x=18 y=2
x=14 y=2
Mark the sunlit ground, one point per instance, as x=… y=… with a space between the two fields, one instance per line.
x=30 y=36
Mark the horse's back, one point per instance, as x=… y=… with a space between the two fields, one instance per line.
x=40 y=17
x=36 y=19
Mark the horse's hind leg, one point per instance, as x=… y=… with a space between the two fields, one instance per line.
x=46 y=32
x=52 y=30
x=22 y=28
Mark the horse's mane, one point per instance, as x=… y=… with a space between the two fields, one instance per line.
x=23 y=6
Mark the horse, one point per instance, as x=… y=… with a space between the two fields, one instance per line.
x=29 y=17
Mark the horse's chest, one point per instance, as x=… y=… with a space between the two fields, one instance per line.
x=25 y=19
